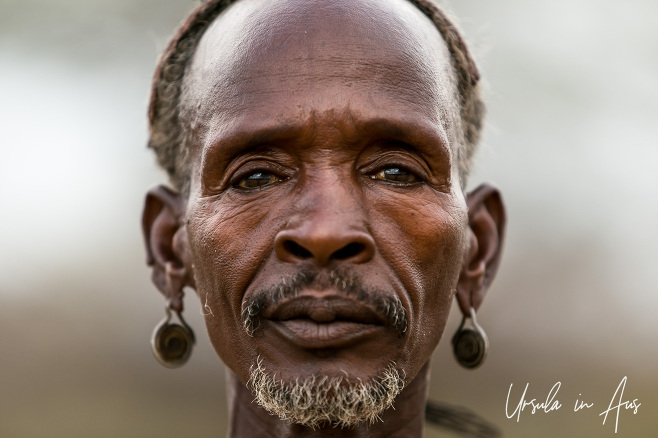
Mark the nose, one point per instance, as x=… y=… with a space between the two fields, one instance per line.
x=324 y=241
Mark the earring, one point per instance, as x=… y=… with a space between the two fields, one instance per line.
x=172 y=343
x=470 y=345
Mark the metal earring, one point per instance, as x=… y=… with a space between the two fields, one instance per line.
x=470 y=345
x=171 y=342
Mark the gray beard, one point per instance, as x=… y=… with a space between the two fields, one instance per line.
x=323 y=400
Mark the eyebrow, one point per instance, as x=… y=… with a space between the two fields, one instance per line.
x=229 y=145
x=428 y=139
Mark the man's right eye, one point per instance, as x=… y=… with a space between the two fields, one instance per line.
x=257 y=180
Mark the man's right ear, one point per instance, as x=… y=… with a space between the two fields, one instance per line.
x=167 y=247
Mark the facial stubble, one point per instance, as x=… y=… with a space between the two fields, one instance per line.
x=322 y=400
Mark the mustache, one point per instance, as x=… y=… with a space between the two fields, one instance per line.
x=346 y=283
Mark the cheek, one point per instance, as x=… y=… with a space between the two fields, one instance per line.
x=422 y=239
x=440 y=233
x=424 y=234
x=228 y=242
x=227 y=246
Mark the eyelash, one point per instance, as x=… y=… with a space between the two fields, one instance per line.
x=242 y=176
x=412 y=174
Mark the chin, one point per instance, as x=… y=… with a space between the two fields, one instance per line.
x=326 y=399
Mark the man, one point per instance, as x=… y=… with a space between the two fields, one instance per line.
x=319 y=150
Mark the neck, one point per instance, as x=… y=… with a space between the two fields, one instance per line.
x=247 y=419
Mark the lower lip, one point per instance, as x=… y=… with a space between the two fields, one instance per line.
x=312 y=335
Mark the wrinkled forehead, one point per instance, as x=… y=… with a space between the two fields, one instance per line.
x=257 y=48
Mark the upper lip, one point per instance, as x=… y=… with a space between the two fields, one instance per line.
x=324 y=310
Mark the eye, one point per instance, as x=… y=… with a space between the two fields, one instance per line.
x=257 y=180
x=396 y=174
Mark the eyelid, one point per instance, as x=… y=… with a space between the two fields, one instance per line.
x=237 y=177
x=273 y=180
x=418 y=179
x=257 y=165
x=399 y=160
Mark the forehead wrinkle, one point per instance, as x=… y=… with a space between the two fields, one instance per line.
x=346 y=63
x=256 y=87
x=261 y=87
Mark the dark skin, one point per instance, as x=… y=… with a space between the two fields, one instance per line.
x=321 y=142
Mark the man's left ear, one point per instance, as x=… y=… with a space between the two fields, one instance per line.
x=484 y=246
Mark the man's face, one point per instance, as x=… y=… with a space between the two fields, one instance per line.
x=326 y=223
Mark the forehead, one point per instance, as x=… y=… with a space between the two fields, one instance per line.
x=283 y=61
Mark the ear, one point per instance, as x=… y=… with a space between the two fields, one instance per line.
x=167 y=247
x=484 y=246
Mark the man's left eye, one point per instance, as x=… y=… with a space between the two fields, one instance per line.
x=396 y=174
x=256 y=180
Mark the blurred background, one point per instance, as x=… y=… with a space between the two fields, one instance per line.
x=572 y=87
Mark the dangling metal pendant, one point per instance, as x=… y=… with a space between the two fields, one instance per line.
x=470 y=346
x=172 y=343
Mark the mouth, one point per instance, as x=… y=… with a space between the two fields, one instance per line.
x=321 y=320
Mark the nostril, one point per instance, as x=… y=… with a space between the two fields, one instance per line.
x=348 y=251
x=296 y=249
x=323 y=245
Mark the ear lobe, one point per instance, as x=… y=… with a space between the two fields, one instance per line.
x=167 y=249
x=486 y=234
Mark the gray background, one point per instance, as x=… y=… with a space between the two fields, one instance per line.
x=571 y=140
